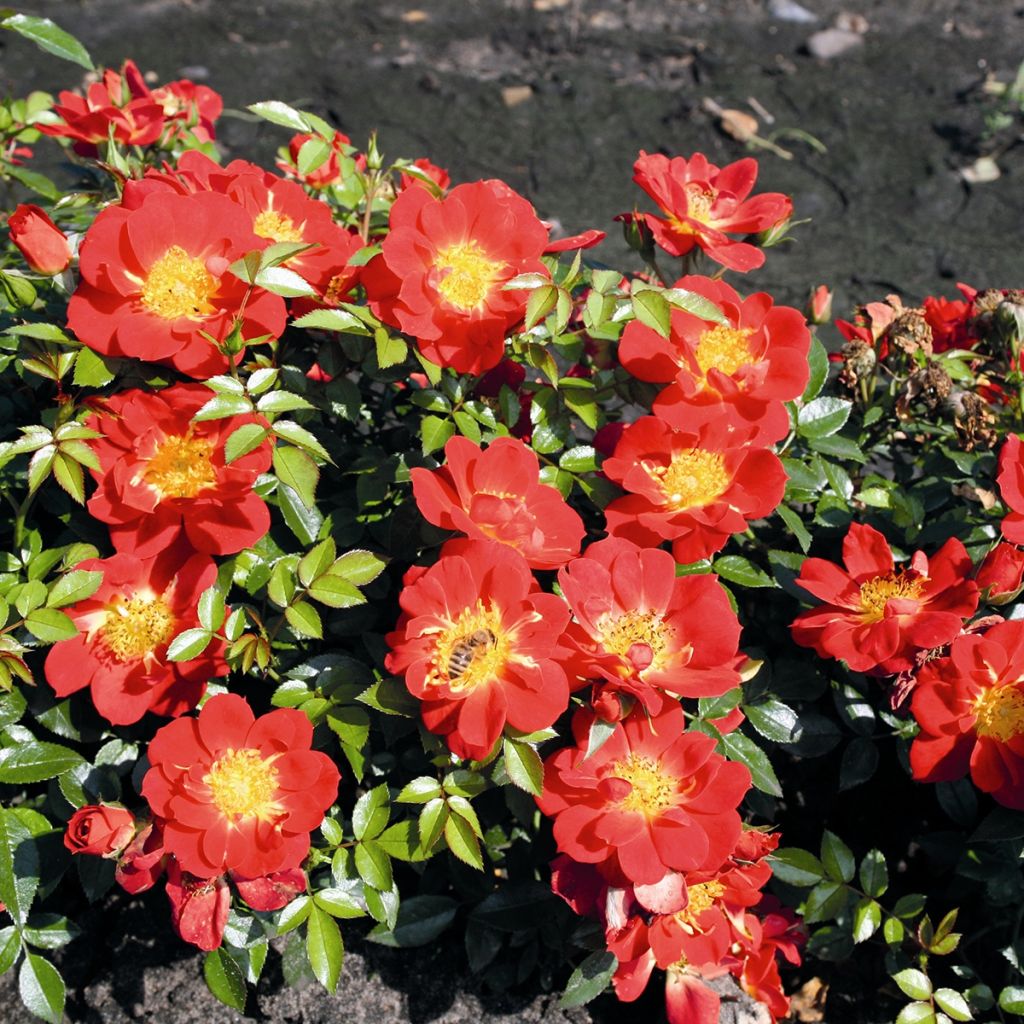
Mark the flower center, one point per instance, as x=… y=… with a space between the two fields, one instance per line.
x=277 y=226
x=694 y=477
x=467 y=274
x=472 y=651
x=639 y=636
x=876 y=593
x=724 y=348
x=137 y=626
x=699 y=201
x=181 y=467
x=999 y=711
x=243 y=785
x=652 y=792
x=701 y=898
x=178 y=285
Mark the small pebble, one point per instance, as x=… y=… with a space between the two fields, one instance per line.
x=789 y=10
x=832 y=42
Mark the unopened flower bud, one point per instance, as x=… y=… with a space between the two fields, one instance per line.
x=42 y=243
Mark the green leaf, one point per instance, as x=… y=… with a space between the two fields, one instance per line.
x=916 y=1013
x=738 y=747
x=10 y=947
x=294 y=914
x=859 y=762
x=1011 y=999
x=91 y=370
x=373 y=865
x=222 y=406
x=825 y=901
x=913 y=983
x=421 y=919
x=401 y=841
x=773 y=720
x=419 y=791
x=651 y=308
x=589 y=980
x=432 y=821
x=211 y=608
x=874 y=875
x=697 y=304
x=371 y=813
x=36 y=762
x=837 y=858
x=823 y=417
x=304 y=620
x=358 y=567
x=281 y=114
x=817 y=359
x=312 y=154
x=41 y=988
x=462 y=841
x=339 y=903
x=296 y=469
x=335 y=592
x=742 y=571
x=390 y=349
x=953 y=1003
x=324 y=948
x=332 y=320
x=316 y=561
x=867 y=918
x=50 y=931
x=248 y=437
x=796 y=527
x=50 y=625
x=53 y=39
x=19 y=866
x=74 y=586
x=797 y=867
x=301 y=438
x=189 y=644
x=435 y=433
x=224 y=979
x=282 y=401
x=524 y=766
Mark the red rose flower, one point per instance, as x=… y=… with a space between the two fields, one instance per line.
x=142 y=863
x=118 y=103
x=496 y=494
x=695 y=489
x=237 y=793
x=438 y=175
x=1011 y=487
x=99 y=829
x=651 y=800
x=477 y=642
x=42 y=243
x=155 y=282
x=124 y=629
x=875 y=617
x=191 y=107
x=1001 y=574
x=444 y=265
x=162 y=476
x=639 y=626
x=741 y=372
x=703 y=204
x=970 y=707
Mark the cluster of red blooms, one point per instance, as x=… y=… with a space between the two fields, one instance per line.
x=231 y=796
x=647 y=823
x=123 y=105
x=965 y=679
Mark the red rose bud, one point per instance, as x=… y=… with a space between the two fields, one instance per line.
x=100 y=830
x=819 y=307
x=42 y=243
x=1001 y=574
x=142 y=863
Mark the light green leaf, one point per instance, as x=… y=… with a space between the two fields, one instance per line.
x=462 y=841
x=651 y=308
x=304 y=620
x=51 y=38
x=913 y=983
x=189 y=644
x=324 y=948
x=248 y=437
x=435 y=433
x=19 y=866
x=296 y=469
x=224 y=979
x=524 y=766
x=589 y=980
x=74 y=586
x=41 y=988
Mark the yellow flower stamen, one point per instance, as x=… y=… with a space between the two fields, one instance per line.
x=137 y=626
x=701 y=897
x=277 y=226
x=178 y=285
x=724 y=348
x=181 y=467
x=620 y=634
x=876 y=593
x=467 y=274
x=243 y=784
x=471 y=651
x=698 y=208
x=653 y=791
x=999 y=712
x=694 y=478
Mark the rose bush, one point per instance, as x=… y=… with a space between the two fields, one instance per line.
x=373 y=554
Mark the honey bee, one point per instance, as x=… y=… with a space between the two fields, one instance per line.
x=464 y=651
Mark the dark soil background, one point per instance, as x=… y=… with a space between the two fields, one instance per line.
x=557 y=97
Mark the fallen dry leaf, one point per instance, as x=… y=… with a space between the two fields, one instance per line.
x=513 y=95
x=808 y=1004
